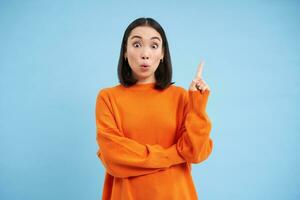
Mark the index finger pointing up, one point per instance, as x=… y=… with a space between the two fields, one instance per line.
x=199 y=70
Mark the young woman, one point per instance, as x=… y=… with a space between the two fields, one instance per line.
x=149 y=131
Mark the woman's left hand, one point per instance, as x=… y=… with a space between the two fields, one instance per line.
x=198 y=83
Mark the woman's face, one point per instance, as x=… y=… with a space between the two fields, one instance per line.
x=144 y=48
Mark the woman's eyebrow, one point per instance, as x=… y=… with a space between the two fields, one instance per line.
x=136 y=36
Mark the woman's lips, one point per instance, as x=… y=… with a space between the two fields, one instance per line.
x=144 y=67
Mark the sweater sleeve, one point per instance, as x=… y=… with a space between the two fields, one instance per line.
x=195 y=144
x=123 y=157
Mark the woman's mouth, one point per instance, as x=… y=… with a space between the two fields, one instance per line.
x=145 y=67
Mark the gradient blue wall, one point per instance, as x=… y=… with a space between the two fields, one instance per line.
x=56 y=55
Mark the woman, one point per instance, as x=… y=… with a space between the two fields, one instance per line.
x=149 y=131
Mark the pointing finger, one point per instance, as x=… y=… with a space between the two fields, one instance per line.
x=199 y=70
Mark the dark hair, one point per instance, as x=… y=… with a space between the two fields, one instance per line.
x=163 y=73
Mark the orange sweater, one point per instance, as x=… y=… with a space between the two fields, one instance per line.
x=148 y=139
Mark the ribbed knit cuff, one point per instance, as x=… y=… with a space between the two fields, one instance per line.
x=198 y=100
x=173 y=155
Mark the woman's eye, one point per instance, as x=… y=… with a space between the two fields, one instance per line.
x=136 y=44
x=155 y=46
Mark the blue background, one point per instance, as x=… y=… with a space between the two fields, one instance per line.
x=56 y=55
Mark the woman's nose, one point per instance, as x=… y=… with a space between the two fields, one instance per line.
x=145 y=53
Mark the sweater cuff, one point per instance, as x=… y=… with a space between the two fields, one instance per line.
x=198 y=100
x=173 y=156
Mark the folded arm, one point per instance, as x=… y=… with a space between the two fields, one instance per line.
x=124 y=157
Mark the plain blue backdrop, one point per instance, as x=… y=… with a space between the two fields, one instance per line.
x=56 y=55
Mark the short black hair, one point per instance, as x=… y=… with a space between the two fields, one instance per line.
x=163 y=73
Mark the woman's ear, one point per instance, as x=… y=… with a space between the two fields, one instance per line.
x=162 y=57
